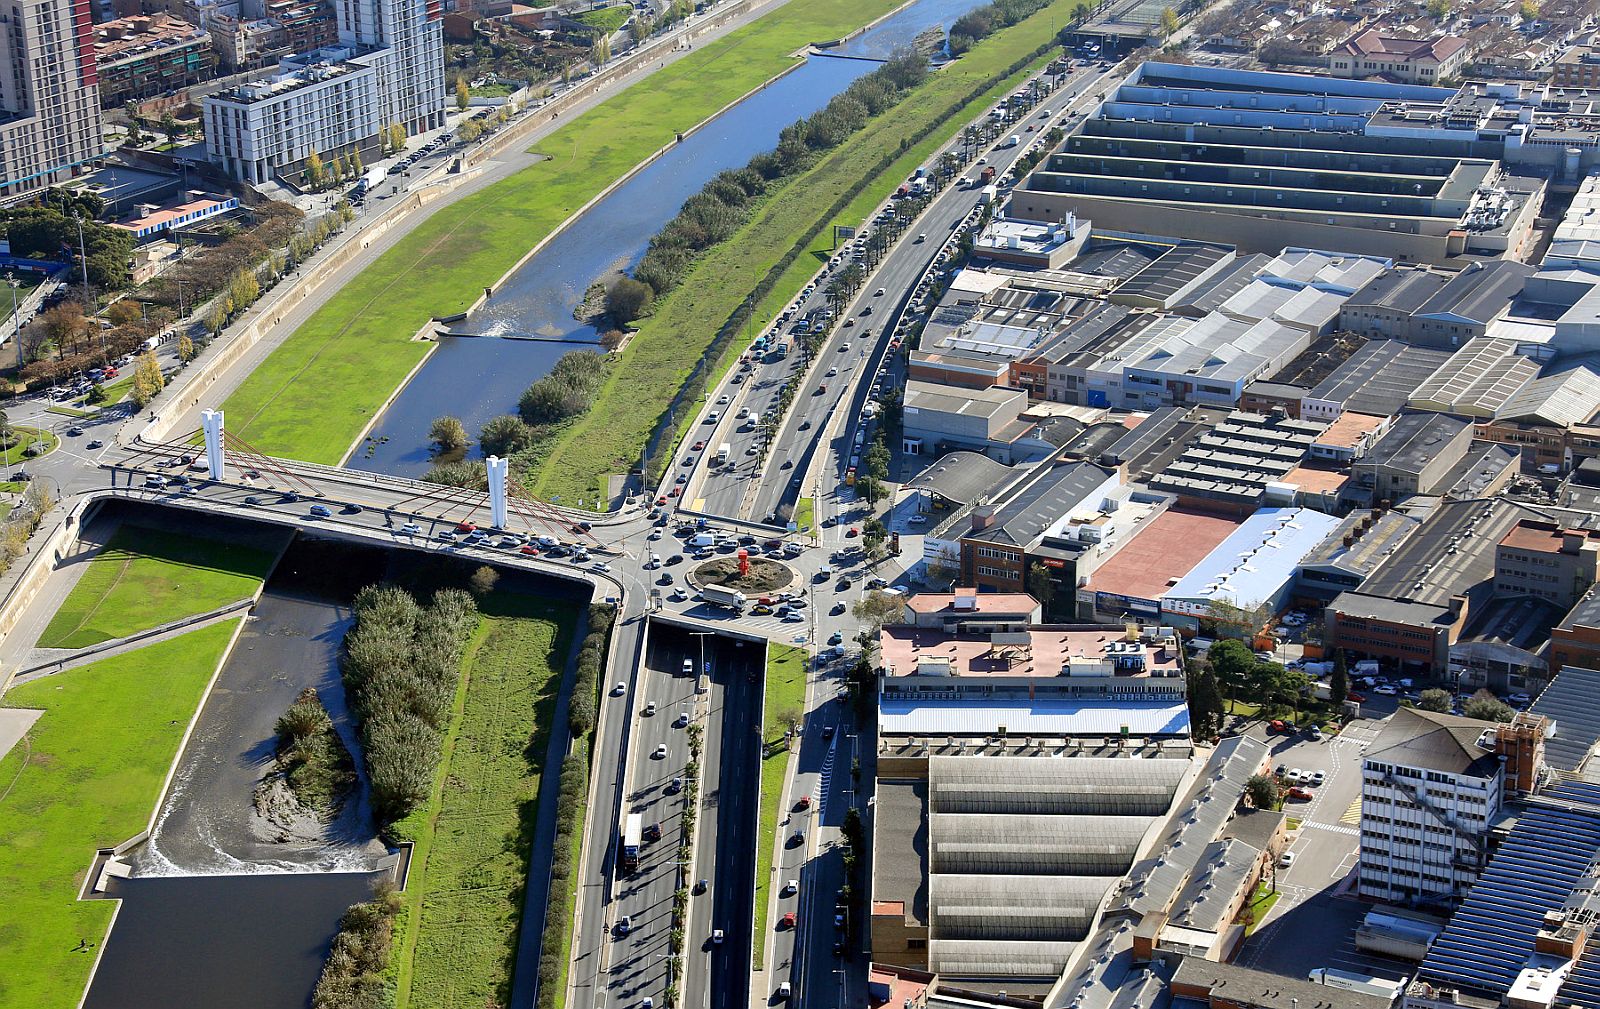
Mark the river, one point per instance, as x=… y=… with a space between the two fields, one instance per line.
x=481 y=376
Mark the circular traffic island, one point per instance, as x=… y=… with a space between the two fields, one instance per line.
x=764 y=577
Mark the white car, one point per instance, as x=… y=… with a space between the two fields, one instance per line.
x=716 y=937
x=411 y=529
x=661 y=752
x=679 y=594
x=791 y=888
x=1317 y=778
x=602 y=567
x=620 y=689
x=1286 y=860
x=722 y=400
x=649 y=708
x=655 y=534
x=1386 y=689
x=1294 y=777
x=683 y=719
x=1518 y=698
x=784 y=991
x=688 y=667
x=918 y=519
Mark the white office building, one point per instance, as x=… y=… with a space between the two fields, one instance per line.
x=387 y=69
x=1431 y=784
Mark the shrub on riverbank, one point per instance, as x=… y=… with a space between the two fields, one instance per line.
x=401 y=664
x=567 y=391
x=356 y=973
x=312 y=759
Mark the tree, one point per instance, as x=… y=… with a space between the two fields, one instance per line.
x=504 y=435
x=873 y=532
x=357 y=169
x=483 y=580
x=397 y=136
x=1529 y=9
x=876 y=609
x=1169 y=23
x=147 y=380
x=1440 y=9
x=316 y=176
x=628 y=300
x=1234 y=665
x=463 y=94
x=1434 y=699
x=448 y=434
x=1486 y=707
x=244 y=289
x=186 y=349
x=123 y=312
x=218 y=314
x=1339 y=685
x=600 y=51
x=1206 y=707
x=1262 y=790
x=169 y=126
x=339 y=168
x=469 y=131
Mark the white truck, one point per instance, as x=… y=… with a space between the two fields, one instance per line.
x=718 y=595
x=723 y=452
x=1366 y=984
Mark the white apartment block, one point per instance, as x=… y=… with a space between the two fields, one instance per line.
x=388 y=68
x=1429 y=791
x=50 y=125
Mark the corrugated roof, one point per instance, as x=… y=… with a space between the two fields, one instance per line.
x=1380 y=377
x=1478 y=380
x=1257 y=560
x=1572 y=702
x=904 y=716
x=1561 y=400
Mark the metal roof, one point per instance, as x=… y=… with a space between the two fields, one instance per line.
x=962 y=477
x=1181 y=268
x=1404 y=290
x=1414 y=441
x=1035 y=843
x=1380 y=377
x=906 y=716
x=1076 y=786
x=1253 y=564
x=1548 y=854
x=1572 y=703
x=1478 y=380
x=1224 y=284
x=1047 y=498
x=1479 y=294
x=1560 y=400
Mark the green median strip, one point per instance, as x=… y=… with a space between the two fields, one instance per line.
x=785 y=703
x=315 y=393
x=805 y=514
x=88 y=775
x=148 y=577
x=776 y=252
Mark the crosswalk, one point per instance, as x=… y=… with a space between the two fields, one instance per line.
x=1337 y=828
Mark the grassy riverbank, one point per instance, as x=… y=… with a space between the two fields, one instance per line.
x=314 y=394
x=87 y=776
x=148 y=577
x=785 y=698
x=456 y=938
x=611 y=436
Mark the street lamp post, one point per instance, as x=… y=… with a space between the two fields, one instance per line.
x=16 y=318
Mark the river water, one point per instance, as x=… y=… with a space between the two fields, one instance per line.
x=481 y=376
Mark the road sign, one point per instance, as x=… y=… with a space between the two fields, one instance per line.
x=843 y=231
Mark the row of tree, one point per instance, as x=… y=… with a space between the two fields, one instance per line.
x=975 y=26
x=319 y=175
x=49 y=230
x=401 y=664
x=355 y=975
x=723 y=205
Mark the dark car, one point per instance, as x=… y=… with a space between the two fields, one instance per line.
x=94 y=444
x=351 y=509
x=288 y=497
x=321 y=511
x=252 y=500
x=652 y=833
x=675 y=559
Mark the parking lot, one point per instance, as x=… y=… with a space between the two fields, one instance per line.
x=1314 y=920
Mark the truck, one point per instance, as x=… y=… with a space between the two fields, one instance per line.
x=779 y=349
x=1403 y=934
x=987 y=175
x=375 y=176
x=1014 y=140
x=723 y=452
x=718 y=595
x=1366 y=984
x=988 y=196
x=632 y=837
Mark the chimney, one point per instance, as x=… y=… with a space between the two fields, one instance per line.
x=1572 y=540
x=982 y=518
x=1349 y=540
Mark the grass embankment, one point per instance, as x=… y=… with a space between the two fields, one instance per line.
x=805 y=514
x=23 y=439
x=1259 y=907
x=312 y=396
x=457 y=934
x=87 y=776
x=607 y=19
x=148 y=577
x=785 y=699
x=611 y=436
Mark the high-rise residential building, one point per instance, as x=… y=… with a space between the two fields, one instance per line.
x=388 y=68
x=49 y=94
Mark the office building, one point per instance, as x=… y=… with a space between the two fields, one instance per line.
x=1416 y=456
x=1430 y=788
x=388 y=68
x=1400 y=58
x=50 y=127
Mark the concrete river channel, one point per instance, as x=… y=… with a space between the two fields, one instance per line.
x=517 y=336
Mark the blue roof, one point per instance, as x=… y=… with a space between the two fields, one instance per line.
x=1489 y=940
x=1257 y=559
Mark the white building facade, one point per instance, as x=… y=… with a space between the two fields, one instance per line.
x=1426 y=804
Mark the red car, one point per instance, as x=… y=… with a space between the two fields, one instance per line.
x=804 y=803
x=661 y=502
x=1302 y=794
x=530 y=550
x=1353 y=696
x=787 y=921
x=674 y=492
x=852 y=533
x=466 y=527
x=699 y=445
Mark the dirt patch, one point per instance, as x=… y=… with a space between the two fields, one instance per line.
x=765 y=575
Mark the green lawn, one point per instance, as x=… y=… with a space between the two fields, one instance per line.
x=88 y=776
x=314 y=394
x=147 y=577
x=67 y=411
x=23 y=290
x=611 y=436
x=607 y=19
x=786 y=693
x=457 y=936
x=26 y=437
x=805 y=513
x=117 y=389
x=1260 y=904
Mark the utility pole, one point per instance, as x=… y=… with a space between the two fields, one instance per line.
x=83 y=260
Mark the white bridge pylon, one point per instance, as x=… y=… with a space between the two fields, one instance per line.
x=498 y=468
x=211 y=424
